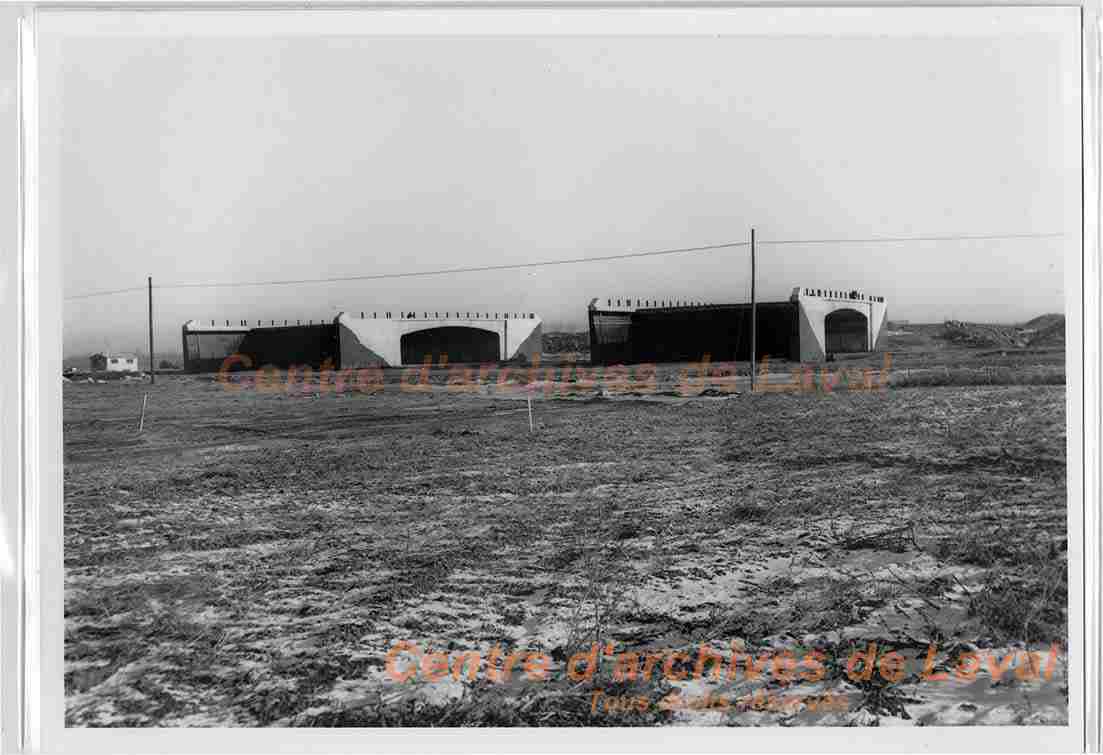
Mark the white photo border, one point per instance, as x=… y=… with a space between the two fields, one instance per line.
x=31 y=573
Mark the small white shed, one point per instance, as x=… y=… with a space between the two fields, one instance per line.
x=114 y=363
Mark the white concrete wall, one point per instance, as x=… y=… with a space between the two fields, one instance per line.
x=816 y=304
x=367 y=341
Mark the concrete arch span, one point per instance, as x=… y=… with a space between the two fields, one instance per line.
x=838 y=324
x=385 y=341
x=452 y=344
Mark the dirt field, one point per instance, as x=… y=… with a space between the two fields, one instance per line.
x=251 y=557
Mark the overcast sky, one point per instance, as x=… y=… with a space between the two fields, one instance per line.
x=218 y=160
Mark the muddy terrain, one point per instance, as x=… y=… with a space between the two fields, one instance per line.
x=255 y=556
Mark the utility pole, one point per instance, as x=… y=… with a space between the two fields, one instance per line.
x=152 y=372
x=754 y=314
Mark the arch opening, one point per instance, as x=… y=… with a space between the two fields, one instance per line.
x=453 y=344
x=846 y=331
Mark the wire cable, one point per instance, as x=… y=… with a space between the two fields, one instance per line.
x=106 y=293
x=420 y=273
x=904 y=239
x=455 y=270
x=573 y=261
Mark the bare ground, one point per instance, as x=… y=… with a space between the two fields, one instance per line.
x=251 y=557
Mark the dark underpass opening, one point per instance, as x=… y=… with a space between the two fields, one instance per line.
x=451 y=344
x=846 y=330
x=722 y=332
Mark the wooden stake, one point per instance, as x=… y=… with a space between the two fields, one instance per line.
x=142 y=419
x=532 y=425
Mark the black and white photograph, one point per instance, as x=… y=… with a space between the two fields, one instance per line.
x=684 y=378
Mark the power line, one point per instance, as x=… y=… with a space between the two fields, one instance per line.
x=422 y=273
x=450 y=271
x=901 y=239
x=105 y=293
x=573 y=261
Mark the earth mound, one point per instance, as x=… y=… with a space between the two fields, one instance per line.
x=1044 y=330
x=565 y=343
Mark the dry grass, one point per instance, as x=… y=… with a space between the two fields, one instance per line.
x=931 y=377
x=250 y=559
